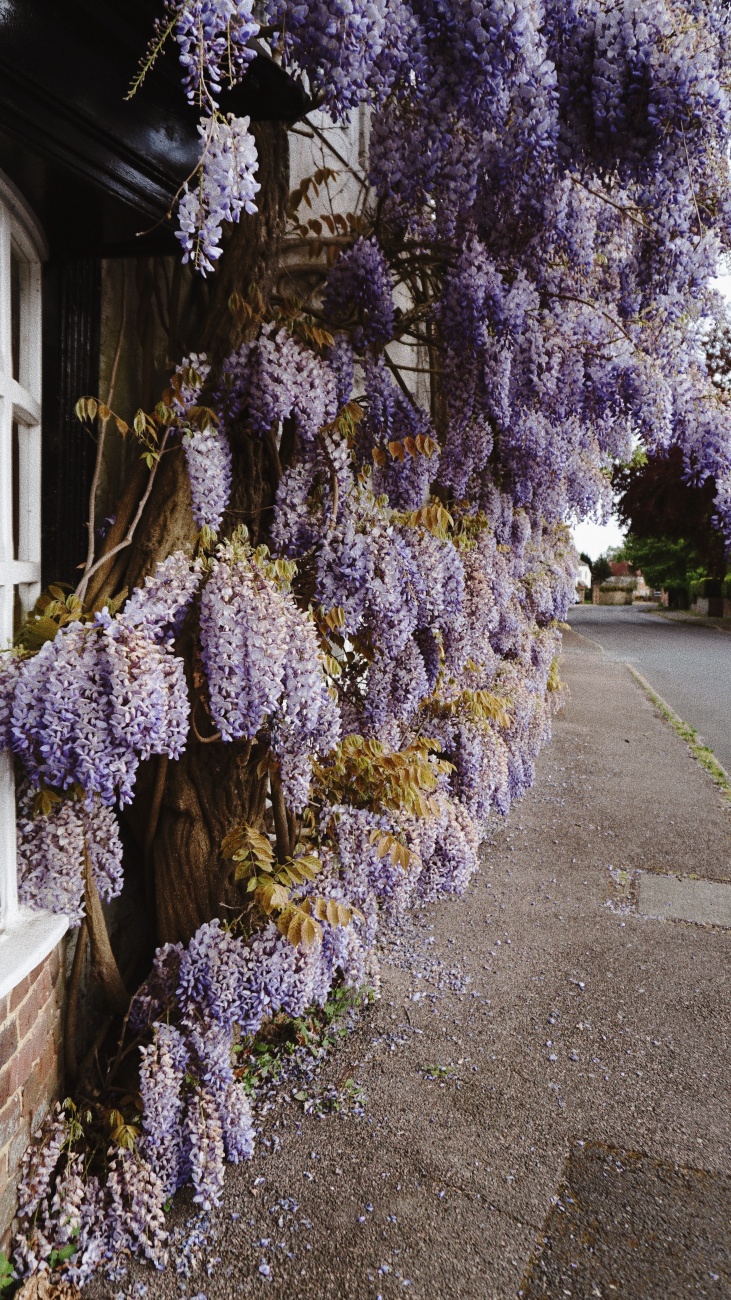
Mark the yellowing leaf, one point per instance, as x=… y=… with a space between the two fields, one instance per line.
x=272 y=897
x=310 y=932
x=290 y=926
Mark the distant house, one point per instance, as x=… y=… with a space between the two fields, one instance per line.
x=583 y=582
x=616 y=590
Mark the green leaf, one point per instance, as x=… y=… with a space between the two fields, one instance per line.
x=7 y=1274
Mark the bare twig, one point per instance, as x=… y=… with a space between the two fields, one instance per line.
x=91 y=526
x=203 y=740
x=620 y=207
x=336 y=153
x=126 y=541
x=586 y=302
x=421 y=370
x=395 y=371
x=692 y=185
x=107 y=576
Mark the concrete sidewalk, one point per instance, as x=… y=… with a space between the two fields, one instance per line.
x=554 y=1066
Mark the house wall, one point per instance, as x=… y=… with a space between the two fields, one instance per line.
x=31 y=1072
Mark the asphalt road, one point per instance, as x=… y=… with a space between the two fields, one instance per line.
x=689 y=666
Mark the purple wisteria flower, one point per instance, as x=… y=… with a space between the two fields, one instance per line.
x=359 y=291
x=52 y=849
x=214 y=38
x=225 y=187
x=162 y=1079
x=94 y=702
x=209 y=464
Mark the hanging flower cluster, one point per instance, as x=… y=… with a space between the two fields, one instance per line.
x=359 y=289
x=61 y=1205
x=275 y=379
x=263 y=661
x=224 y=187
x=214 y=42
x=54 y=848
x=92 y=703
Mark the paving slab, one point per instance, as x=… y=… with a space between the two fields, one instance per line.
x=680 y=898
x=538 y=1011
x=625 y=1225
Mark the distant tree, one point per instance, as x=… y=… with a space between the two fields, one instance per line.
x=600 y=569
x=657 y=504
x=585 y=560
x=666 y=562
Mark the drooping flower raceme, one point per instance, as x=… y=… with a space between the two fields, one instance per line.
x=208 y=460
x=277 y=378
x=263 y=661
x=225 y=187
x=206 y=447
x=52 y=851
x=307 y=721
x=359 y=290
x=92 y=703
x=160 y=606
x=214 y=41
x=243 y=628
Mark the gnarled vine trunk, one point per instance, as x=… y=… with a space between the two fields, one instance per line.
x=179 y=824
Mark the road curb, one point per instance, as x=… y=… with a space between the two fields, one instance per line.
x=702 y=753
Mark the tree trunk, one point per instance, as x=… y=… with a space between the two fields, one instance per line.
x=214 y=785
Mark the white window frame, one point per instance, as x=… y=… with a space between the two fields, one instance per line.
x=26 y=936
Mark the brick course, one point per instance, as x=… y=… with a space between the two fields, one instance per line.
x=30 y=1070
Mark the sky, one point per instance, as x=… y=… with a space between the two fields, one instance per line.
x=595 y=538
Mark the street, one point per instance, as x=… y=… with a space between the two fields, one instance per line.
x=689 y=666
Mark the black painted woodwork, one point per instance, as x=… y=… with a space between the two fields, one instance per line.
x=96 y=168
x=71 y=316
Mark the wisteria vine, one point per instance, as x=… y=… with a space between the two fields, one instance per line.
x=548 y=198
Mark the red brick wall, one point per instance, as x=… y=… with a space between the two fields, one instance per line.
x=30 y=1069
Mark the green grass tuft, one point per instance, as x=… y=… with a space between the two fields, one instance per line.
x=698 y=749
